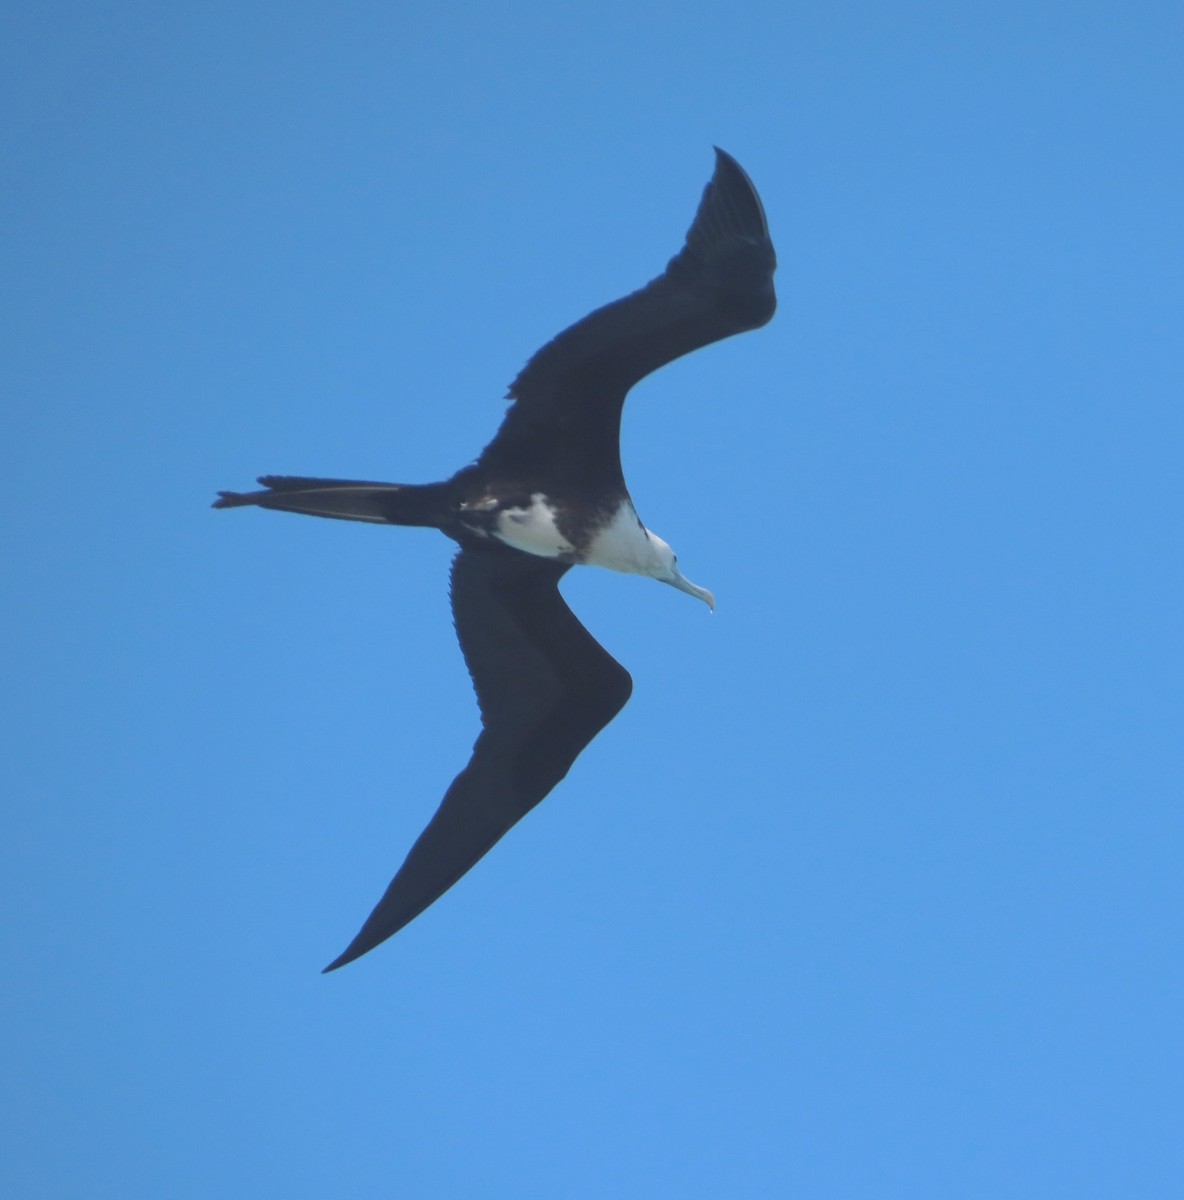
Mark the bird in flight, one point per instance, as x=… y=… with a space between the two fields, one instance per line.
x=545 y=495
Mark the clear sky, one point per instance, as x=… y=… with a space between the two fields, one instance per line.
x=874 y=889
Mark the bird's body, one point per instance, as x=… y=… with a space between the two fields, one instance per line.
x=546 y=494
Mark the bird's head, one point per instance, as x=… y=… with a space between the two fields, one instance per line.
x=665 y=570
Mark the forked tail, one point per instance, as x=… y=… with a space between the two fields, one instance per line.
x=346 y=499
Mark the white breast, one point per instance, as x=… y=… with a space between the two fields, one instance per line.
x=624 y=544
x=532 y=529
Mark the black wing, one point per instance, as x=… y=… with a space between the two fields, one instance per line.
x=545 y=687
x=571 y=392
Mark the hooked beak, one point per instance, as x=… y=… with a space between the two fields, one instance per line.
x=680 y=581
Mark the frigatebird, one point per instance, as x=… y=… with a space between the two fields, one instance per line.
x=546 y=494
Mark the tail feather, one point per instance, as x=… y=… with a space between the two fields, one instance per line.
x=345 y=499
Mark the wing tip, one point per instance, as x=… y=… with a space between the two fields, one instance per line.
x=731 y=201
x=355 y=950
x=377 y=928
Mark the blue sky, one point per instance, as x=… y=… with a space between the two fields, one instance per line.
x=874 y=889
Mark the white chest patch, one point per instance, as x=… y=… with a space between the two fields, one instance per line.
x=532 y=529
x=624 y=544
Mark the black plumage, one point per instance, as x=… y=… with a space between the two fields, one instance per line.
x=545 y=494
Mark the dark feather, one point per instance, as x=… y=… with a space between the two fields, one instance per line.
x=545 y=688
x=345 y=499
x=568 y=397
